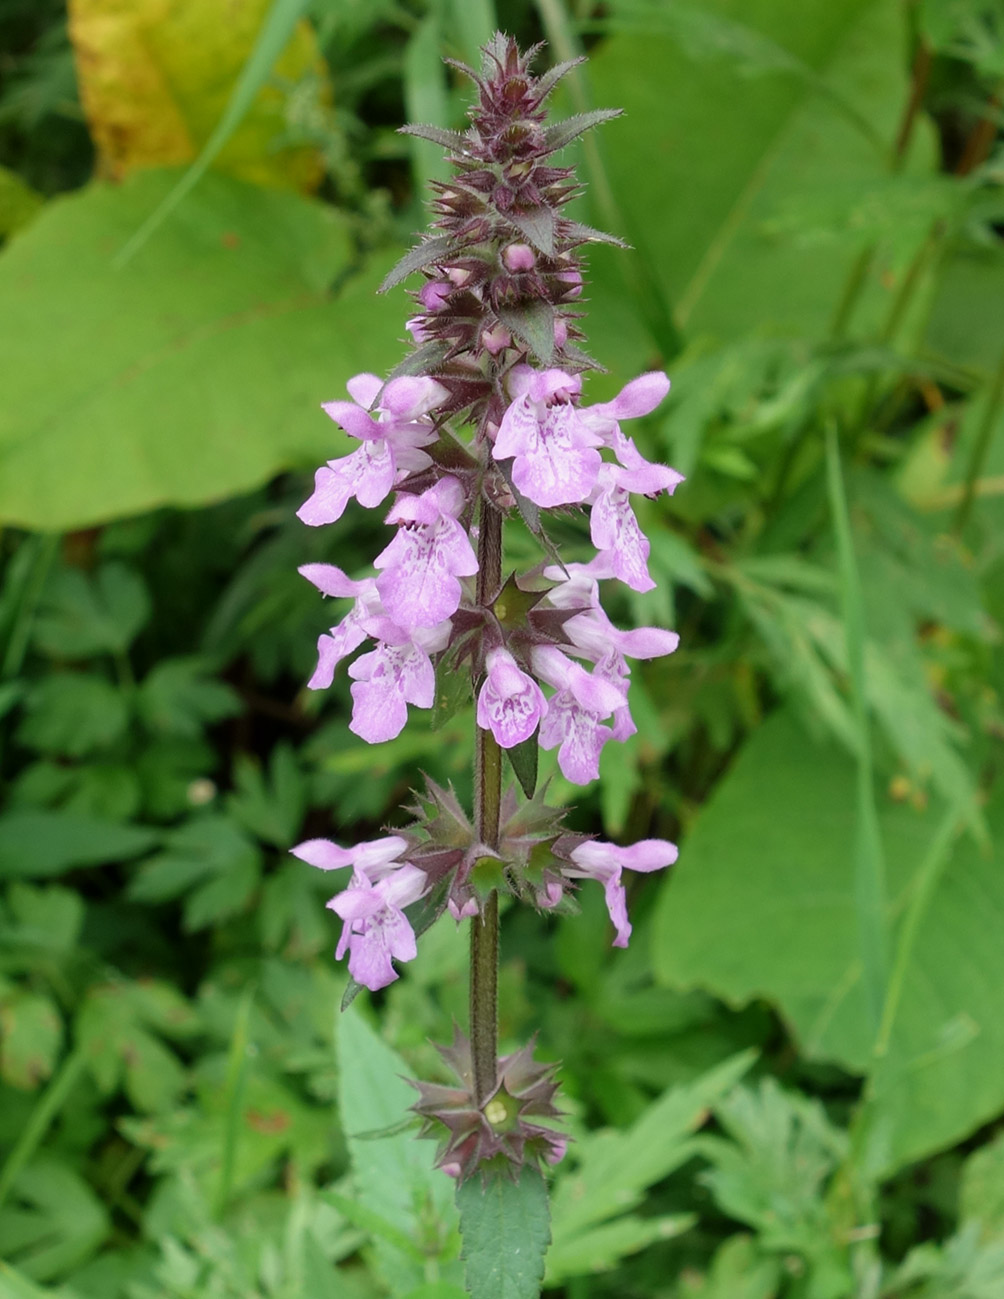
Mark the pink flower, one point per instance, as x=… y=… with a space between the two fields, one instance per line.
x=511 y=703
x=390 y=443
x=606 y=861
x=373 y=859
x=376 y=928
x=575 y=714
x=397 y=673
x=351 y=631
x=555 y=461
x=419 y=586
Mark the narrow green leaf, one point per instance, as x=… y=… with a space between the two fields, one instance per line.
x=38 y=843
x=869 y=889
x=236 y=1082
x=425 y=98
x=505 y=1227
x=603 y=1247
x=454 y=141
x=472 y=24
x=553 y=75
x=453 y=691
x=428 y=251
x=373 y=1223
x=272 y=40
x=523 y=760
x=562 y=133
x=587 y=234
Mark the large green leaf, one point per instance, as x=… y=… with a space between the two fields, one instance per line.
x=194 y=372
x=718 y=179
x=393 y=1174
x=762 y=905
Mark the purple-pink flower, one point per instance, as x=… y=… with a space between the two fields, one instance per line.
x=555 y=461
x=510 y=703
x=391 y=443
x=350 y=633
x=418 y=585
x=605 y=862
x=396 y=673
x=376 y=930
x=576 y=712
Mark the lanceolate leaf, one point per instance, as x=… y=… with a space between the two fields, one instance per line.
x=538 y=226
x=562 y=133
x=505 y=1228
x=533 y=324
x=523 y=759
x=428 y=251
x=452 y=140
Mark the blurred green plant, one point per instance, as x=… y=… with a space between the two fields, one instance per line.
x=814 y=194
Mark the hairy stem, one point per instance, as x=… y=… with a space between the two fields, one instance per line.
x=487 y=800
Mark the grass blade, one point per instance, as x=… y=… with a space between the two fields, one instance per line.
x=48 y=1106
x=869 y=858
x=425 y=98
x=237 y=1070
x=272 y=40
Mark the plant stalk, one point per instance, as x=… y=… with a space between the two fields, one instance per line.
x=487 y=804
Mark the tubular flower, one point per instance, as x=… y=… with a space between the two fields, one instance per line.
x=511 y=703
x=605 y=862
x=390 y=443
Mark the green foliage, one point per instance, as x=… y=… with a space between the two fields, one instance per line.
x=773 y=849
x=504 y=1223
x=242 y=275
x=816 y=226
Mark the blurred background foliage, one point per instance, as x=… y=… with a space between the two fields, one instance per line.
x=791 y=1085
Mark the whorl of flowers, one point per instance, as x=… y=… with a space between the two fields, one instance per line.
x=496 y=348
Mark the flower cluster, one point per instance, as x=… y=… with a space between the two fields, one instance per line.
x=495 y=348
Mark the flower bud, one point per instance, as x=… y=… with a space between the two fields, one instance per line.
x=519 y=257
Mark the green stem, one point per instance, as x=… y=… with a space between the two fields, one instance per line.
x=487 y=807
x=981 y=448
x=49 y=1104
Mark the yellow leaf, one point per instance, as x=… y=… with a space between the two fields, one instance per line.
x=156 y=75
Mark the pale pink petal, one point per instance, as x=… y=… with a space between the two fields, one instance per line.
x=327 y=502
x=614 y=531
x=510 y=703
x=330 y=580
x=378 y=713
x=364 y=389
x=518 y=431
x=352 y=419
x=323 y=854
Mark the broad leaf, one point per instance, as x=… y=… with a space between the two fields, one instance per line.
x=194 y=373
x=155 y=80
x=505 y=1229
x=393 y=1175
x=761 y=904
x=769 y=143
x=34 y=844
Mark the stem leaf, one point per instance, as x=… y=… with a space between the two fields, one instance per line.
x=533 y=324
x=562 y=133
x=523 y=760
x=505 y=1227
x=428 y=251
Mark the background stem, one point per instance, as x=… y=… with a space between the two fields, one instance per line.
x=487 y=801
